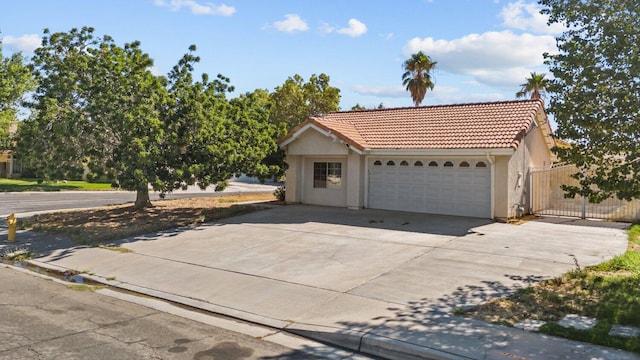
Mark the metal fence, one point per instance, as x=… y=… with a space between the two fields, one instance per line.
x=547 y=198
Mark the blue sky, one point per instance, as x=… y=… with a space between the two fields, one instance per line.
x=484 y=48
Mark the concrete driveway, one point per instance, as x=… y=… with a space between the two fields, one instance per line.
x=342 y=273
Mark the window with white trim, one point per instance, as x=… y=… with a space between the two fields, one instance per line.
x=327 y=175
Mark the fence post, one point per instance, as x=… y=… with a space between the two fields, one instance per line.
x=531 y=207
x=584 y=198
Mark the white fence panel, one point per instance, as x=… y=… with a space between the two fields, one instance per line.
x=548 y=198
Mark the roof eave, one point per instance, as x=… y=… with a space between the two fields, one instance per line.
x=441 y=152
x=311 y=124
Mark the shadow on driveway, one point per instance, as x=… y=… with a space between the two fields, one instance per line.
x=40 y=244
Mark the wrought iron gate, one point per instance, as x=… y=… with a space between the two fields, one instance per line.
x=547 y=198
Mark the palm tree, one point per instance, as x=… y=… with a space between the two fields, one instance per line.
x=417 y=76
x=535 y=85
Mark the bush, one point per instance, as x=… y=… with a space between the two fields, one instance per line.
x=280 y=192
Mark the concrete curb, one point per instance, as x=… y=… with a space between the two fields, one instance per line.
x=166 y=304
x=350 y=340
x=350 y=344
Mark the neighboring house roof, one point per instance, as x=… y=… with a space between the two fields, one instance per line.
x=487 y=125
x=13 y=127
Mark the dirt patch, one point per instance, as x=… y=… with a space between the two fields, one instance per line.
x=550 y=300
x=94 y=226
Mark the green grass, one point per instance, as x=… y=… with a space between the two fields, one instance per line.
x=634 y=234
x=608 y=292
x=616 y=285
x=629 y=261
x=599 y=334
x=16 y=185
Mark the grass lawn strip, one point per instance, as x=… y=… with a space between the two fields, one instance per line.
x=18 y=185
x=609 y=292
x=99 y=225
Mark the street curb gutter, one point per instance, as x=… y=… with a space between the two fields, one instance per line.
x=357 y=341
x=230 y=323
x=393 y=349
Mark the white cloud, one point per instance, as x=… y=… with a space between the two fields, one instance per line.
x=388 y=36
x=197 y=8
x=326 y=28
x=291 y=23
x=527 y=17
x=156 y=71
x=454 y=95
x=493 y=58
x=26 y=43
x=439 y=94
x=356 y=28
x=393 y=91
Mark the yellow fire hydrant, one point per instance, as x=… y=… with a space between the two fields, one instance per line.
x=12 y=222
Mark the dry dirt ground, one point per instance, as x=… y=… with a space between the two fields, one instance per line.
x=98 y=225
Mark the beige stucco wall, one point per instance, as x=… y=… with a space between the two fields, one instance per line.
x=322 y=196
x=501 y=186
x=538 y=149
x=293 y=175
x=518 y=176
x=355 y=181
x=532 y=153
x=313 y=143
x=310 y=147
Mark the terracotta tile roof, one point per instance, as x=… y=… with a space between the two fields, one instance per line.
x=458 y=126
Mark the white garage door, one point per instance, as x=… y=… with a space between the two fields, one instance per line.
x=435 y=186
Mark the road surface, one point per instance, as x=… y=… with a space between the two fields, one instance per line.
x=43 y=319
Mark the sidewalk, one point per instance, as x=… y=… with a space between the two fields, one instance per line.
x=162 y=267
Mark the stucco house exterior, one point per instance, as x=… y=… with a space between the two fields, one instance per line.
x=10 y=167
x=461 y=159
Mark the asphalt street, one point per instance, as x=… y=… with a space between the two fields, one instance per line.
x=29 y=202
x=43 y=319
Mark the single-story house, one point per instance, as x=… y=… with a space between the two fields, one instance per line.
x=9 y=165
x=461 y=159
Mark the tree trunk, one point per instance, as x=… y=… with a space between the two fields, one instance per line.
x=142 y=199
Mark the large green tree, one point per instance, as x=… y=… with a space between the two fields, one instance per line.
x=15 y=81
x=99 y=106
x=535 y=86
x=296 y=100
x=595 y=94
x=417 y=76
x=96 y=105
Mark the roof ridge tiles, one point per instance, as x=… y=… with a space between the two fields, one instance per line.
x=467 y=125
x=437 y=106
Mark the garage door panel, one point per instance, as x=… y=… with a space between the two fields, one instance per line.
x=431 y=189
